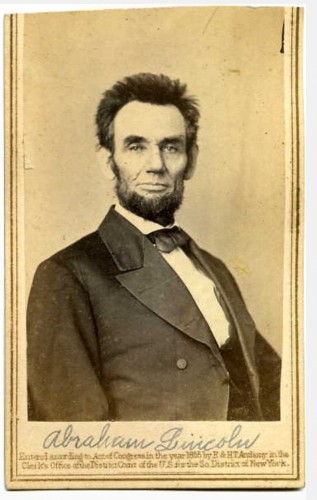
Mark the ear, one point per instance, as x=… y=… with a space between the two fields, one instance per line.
x=104 y=158
x=192 y=160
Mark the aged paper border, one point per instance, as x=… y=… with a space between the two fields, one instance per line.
x=14 y=208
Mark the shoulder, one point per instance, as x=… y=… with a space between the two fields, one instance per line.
x=217 y=266
x=89 y=246
x=77 y=260
x=226 y=284
x=214 y=260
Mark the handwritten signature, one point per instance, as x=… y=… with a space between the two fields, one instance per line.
x=172 y=439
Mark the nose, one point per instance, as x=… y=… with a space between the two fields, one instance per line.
x=156 y=162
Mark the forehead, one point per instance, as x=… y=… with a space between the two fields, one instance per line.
x=148 y=120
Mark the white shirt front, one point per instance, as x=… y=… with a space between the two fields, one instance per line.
x=201 y=288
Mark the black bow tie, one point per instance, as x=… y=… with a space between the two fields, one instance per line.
x=167 y=240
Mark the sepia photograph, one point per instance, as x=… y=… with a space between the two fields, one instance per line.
x=154 y=223
x=134 y=321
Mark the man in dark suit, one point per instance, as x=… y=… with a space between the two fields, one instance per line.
x=135 y=321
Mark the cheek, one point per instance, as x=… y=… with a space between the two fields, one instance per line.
x=177 y=167
x=128 y=167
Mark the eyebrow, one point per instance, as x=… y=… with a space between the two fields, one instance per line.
x=177 y=139
x=131 y=139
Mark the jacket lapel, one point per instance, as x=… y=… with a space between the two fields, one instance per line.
x=160 y=289
x=148 y=277
x=234 y=305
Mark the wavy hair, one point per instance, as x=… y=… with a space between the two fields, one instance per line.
x=147 y=88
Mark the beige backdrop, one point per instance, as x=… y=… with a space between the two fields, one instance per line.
x=231 y=60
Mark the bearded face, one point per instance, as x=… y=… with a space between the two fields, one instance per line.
x=150 y=160
x=160 y=208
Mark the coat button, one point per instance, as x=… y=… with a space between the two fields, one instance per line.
x=181 y=363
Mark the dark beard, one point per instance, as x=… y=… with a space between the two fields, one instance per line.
x=160 y=209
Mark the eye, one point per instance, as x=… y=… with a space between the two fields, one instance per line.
x=136 y=147
x=171 y=148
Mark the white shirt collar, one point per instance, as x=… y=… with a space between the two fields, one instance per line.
x=144 y=225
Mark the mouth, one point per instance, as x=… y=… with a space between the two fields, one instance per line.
x=153 y=187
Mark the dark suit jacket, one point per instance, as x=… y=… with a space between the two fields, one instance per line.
x=113 y=334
